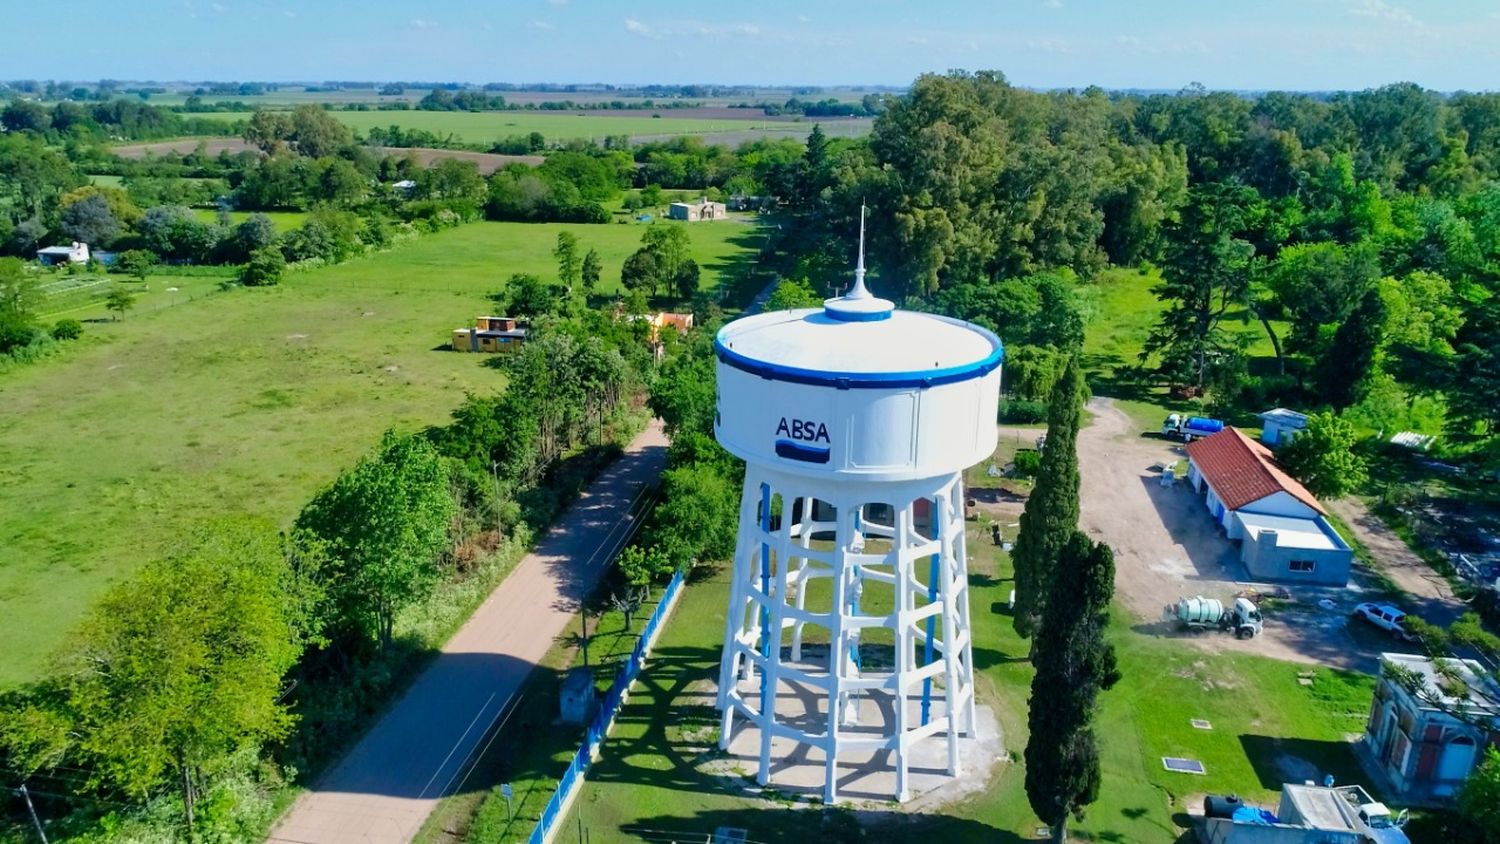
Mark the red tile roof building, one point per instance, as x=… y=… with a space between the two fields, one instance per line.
x=1242 y=470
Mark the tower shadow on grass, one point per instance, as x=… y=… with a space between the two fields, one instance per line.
x=825 y=825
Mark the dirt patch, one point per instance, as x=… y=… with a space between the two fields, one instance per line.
x=1428 y=594
x=184 y=146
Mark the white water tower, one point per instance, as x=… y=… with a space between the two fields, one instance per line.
x=848 y=621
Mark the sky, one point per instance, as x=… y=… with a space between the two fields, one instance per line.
x=1160 y=44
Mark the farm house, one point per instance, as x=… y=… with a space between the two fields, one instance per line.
x=77 y=253
x=693 y=212
x=1425 y=751
x=1282 y=529
x=490 y=334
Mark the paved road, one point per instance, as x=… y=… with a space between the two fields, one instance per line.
x=387 y=785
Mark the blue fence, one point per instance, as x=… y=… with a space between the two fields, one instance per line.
x=610 y=707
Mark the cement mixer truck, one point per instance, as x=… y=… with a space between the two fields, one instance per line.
x=1198 y=614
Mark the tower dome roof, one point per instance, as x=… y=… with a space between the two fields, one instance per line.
x=898 y=349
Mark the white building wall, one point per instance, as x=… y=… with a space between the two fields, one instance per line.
x=1281 y=504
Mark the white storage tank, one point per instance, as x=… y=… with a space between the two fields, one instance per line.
x=856 y=421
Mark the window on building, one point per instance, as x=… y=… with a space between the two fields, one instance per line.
x=1301 y=565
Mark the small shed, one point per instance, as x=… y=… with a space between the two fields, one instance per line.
x=576 y=702
x=1280 y=425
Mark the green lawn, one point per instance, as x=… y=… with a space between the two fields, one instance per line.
x=285 y=220
x=489 y=126
x=1260 y=713
x=244 y=400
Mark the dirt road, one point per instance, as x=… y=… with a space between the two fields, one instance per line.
x=386 y=786
x=1428 y=594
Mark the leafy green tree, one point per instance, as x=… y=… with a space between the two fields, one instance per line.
x=530 y=296
x=1038 y=310
x=264 y=269
x=696 y=518
x=688 y=279
x=566 y=253
x=1323 y=458
x=1205 y=274
x=386 y=525
x=317 y=133
x=791 y=294
x=1345 y=379
x=1051 y=515
x=136 y=263
x=642 y=566
x=682 y=395
x=1319 y=285
x=1479 y=799
x=268 y=130
x=20 y=297
x=1074 y=663
x=119 y=301
x=1473 y=412
x=670 y=243
x=590 y=271
x=67 y=329
x=652 y=196
x=642 y=271
x=182 y=665
x=90 y=221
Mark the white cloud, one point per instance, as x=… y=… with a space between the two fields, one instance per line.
x=804 y=19
x=1159 y=48
x=635 y=27
x=1049 y=45
x=420 y=23
x=219 y=7
x=540 y=25
x=1053 y=4
x=289 y=13
x=1381 y=10
x=918 y=40
x=747 y=29
x=558 y=2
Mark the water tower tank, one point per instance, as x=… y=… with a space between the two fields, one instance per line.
x=848 y=621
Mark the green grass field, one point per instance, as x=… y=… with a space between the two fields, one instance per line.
x=489 y=126
x=245 y=401
x=285 y=220
x=648 y=777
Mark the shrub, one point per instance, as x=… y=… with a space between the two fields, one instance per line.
x=1023 y=411
x=67 y=329
x=1028 y=463
x=265 y=268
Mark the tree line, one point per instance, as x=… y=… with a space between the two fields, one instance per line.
x=1356 y=231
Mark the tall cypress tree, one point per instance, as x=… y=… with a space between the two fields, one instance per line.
x=1073 y=664
x=1051 y=515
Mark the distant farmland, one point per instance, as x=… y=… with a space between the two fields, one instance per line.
x=486 y=162
x=484 y=127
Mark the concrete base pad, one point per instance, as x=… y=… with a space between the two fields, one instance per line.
x=799 y=770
